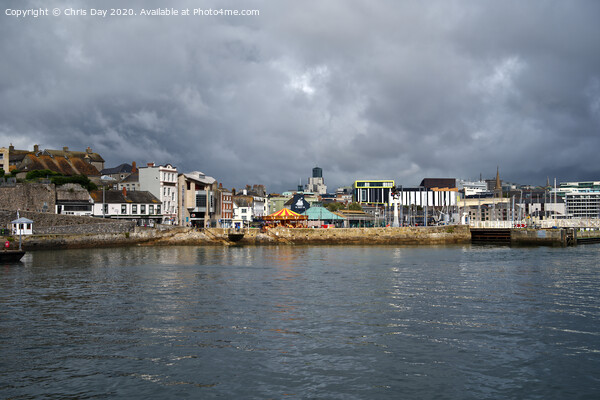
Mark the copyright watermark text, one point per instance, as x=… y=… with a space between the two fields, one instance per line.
x=124 y=12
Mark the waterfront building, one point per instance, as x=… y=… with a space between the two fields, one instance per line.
x=224 y=207
x=140 y=206
x=73 y=199
x=356 y=218
x=493 y=211
x=248 y=205
x=583 y=203
x=161 y=181
x=373 y=191
x=243 y=211
x=198 y=198
x=22 y=226
x=316 y=184
x=421 y=196
x=320 y=216
x=277 y=202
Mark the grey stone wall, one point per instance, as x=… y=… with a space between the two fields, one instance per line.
x=30 y=196
x=47 y=223
x=83 y=229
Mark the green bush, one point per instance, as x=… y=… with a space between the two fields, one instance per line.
x=40 y=173
x=80 y=179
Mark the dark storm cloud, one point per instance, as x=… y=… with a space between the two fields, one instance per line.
x=383 y=89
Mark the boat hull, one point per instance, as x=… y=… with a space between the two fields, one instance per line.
x=11 y=255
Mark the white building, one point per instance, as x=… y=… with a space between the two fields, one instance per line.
x=243 y=212
x=582 y=204
x=472 y=188
x=140 y=206
x=161 y=181
x=22 y=226
x=420 y=196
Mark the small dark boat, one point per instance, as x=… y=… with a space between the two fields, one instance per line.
x=11 y=255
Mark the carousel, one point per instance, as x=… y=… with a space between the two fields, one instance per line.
x=285 y=217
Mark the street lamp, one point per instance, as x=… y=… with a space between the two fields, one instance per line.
x=105 y=179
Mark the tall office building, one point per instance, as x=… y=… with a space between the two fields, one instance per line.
x=316 y=184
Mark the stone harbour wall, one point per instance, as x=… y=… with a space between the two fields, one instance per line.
x=48 y=223
x=279 y=236
x=404 y=235
x=28 y=197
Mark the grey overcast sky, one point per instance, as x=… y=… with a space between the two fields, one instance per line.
x=364 y=89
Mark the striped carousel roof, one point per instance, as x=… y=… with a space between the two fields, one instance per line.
x=285 y=214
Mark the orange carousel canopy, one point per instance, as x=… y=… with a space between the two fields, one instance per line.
x=285 y=214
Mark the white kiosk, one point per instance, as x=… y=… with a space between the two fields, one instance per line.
x=22 y=226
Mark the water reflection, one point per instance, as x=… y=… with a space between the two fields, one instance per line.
x=301 y=322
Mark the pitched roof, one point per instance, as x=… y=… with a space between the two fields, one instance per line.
x=243 y=201
x=119 y=169
x=117 y=196
x=321 y=213
x=95 y=157
x=22 y=220
x=200 y=177
x=134 y=177
x=58 y=164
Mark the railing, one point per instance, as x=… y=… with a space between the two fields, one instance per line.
x=544 y=224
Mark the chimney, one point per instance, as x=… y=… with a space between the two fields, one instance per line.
x=150 y=164
x=88 y=150
x=65 y=148
x=36 y=148
x=233 y=191
x=124 y=191
x=133 y=167
x=11 y=147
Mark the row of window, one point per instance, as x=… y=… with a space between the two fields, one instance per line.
x=152 y=209
x=168 y=176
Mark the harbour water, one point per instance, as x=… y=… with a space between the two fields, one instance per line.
x=295 y=322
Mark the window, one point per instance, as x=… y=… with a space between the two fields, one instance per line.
x=106 y=209
x=143 y=209
x=134 y=208
x=201 y=200
x=123 y=208
x=158 y=209
x=151 y=209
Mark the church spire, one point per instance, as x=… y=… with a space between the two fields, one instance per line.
x=498 y=188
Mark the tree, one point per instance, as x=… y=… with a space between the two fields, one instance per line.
x=354 y=207
x=335 y=206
